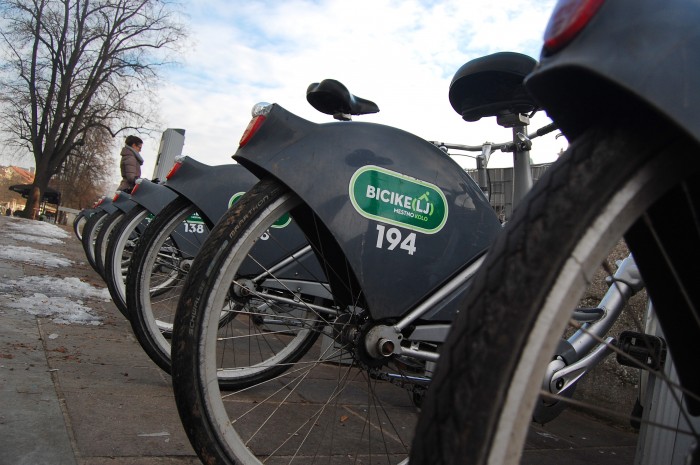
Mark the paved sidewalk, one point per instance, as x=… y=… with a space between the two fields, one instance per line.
x=80 y=394
x=88 y=395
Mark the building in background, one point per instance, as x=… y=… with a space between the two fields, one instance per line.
x=500 y=189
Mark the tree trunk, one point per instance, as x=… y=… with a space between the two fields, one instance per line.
x=31 y=208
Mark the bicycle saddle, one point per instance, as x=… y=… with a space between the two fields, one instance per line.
x=492 y=85
x=333 y=98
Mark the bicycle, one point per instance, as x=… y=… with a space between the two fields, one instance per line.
x=380 y=329
x=149 y=199
x=162 y=257
x=628 y=172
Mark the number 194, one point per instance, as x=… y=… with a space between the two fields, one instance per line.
x=394 y=238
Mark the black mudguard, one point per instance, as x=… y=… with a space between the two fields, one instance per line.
x=152 y=196
x=625 y=57
x=213 y=189
x=210 y=188
x=340 y=170
x=123 y=202
x=107 y=205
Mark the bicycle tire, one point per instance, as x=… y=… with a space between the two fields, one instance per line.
x=339 y=396
x=152 y=295
x=609 y=180
x=90 y=232
x=123 y=239
x=111 y=222
x=79 y=223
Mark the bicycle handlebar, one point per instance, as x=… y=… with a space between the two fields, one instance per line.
x=504 y=146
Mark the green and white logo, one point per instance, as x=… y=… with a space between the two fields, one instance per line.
x=394 y=198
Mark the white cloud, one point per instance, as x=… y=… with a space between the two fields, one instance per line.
x=400 y=54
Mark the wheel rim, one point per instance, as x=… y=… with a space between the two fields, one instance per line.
x=311 y=413
x=122 y=252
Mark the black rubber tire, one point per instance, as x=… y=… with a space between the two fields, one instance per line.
x=153 y=334
x=612 y=178
x=79 y=223
x=122 y=240
x=90 y=232
x=102 y=241
x=204 y=409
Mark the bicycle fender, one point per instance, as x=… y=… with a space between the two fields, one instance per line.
x=152 y=196
x=624 y=57
x=210 y=188
x=107 y=205
x=213 y=189
x=406 y=216
x=123 y=202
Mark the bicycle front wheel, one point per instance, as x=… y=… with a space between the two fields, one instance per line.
x=610 y=183
x=305 y=392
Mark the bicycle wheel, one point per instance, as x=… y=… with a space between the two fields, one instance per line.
x=610 y=183
x=302 y=402
x=120 y=247
x=79 y=223
x=90 y=232
x=158 y=267
x=103 y=237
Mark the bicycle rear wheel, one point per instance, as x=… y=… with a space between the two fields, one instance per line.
x=79 y=223
x=610 y=183
x=121 y=244
x=158 y=267
x=103 y=237
x=89 y=236
x=305 y=392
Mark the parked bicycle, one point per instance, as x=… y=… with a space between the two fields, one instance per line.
x=399 y=229
x=615 y=80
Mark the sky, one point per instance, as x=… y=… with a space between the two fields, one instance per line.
x=401 y=54
x=60 y=299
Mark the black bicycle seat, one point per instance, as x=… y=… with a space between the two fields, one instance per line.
x=492 y=86
x=333 y=98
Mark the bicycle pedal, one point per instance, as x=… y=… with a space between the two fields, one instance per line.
x=641 y=351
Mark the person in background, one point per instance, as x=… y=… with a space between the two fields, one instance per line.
x=131 y=161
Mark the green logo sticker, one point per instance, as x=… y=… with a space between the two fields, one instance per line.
x=397 y=199
x=282 y=222
x=195 y=218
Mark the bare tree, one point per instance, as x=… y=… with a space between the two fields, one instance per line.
x=86 y=172
x=72 y=66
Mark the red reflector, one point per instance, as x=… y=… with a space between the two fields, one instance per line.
x=173 y=170
x=567 y=20
x=250 y=131
x=116 y=196
x=136 y=187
